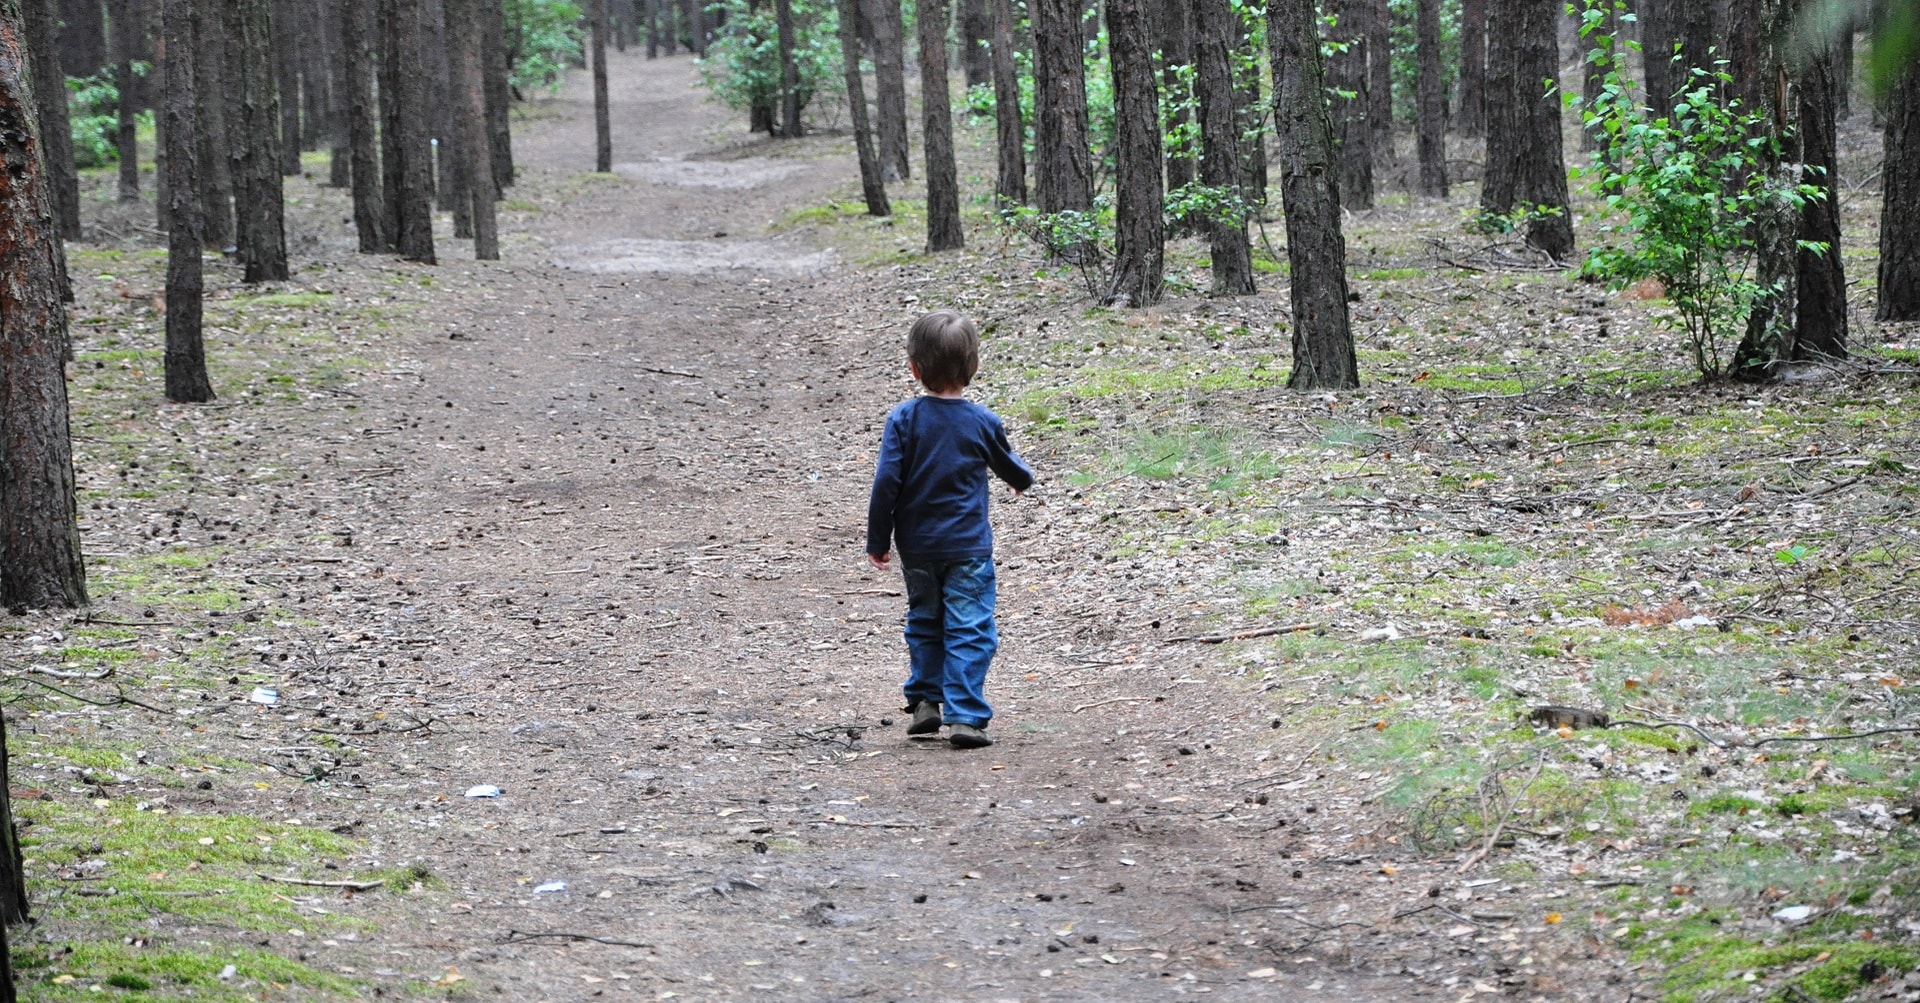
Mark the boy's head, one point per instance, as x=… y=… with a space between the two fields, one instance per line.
x=944 y=348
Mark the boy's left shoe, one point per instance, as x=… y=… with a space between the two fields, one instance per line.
x=926 y=719
x=966 y=736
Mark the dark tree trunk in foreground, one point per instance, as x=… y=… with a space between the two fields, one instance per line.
x=1656 y=50
x=186 y=357
x=1139 y=266
x=1176 y=54
x=873 y=180
x=286 y=39
x=1525 y=165
x=369 y=217
x=1215 y=25
x=890 y=86
x=493 y=39
x=40 y=564
x=1063 y=165
x=387 y=27
x=943 y=183
x=13 y=874
x=126 y=43
x=1323 y=357
x=50 y=99
x=1010 y=183
x=410 y=167
x=1900 y=212
x=260 y=226
x=1430 y=91
x=789 y=69
x=1380 y=81
x=464 y=25
x=1472 y=116
x=1820 y=323
x=1351 y=132
x=602 y=116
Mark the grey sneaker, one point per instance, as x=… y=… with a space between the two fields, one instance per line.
x=926 y=719
x=966 y=736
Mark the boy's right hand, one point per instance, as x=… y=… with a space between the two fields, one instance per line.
x=880 y=561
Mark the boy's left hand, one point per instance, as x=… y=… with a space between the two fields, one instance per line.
x=880 y=561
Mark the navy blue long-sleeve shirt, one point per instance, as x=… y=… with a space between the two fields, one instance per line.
x=930 y=484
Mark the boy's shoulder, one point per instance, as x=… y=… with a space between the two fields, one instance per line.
x=943 y=408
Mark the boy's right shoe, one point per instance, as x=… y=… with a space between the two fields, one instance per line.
x=966 y=736
x=926 y=718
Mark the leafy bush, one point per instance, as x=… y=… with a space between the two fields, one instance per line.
x=94 y=115
x=1683 y=195
x=544 y=37
x=742 y=67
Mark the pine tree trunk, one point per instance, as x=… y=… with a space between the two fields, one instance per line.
x=1820 y=322
x=1353 y=135
x=1525 y=163
x=126 y=134
x=83 y=37
x=1323 y=355
x=493 y=40
x=334 y=64
x=653 y=30
x=1900 y=211
x=1215 y=30
x=1772 y=322
x=943 y=183
x=602 y=115
x=13 y=873
x=1010 y=183
x=40 y=564
x=369 y=209
x=1843 y=69
x=1139 y=266
x=1250 y=110
x=697 y=24
x=1656 y=50
x=976 y=27
x=873 y=181
x=1380 y=83
x=50 y=100
x=1472 y=120
x=413 y=153
x=789 y=70
x=1697 y=28
x=1176 y=53
x=286 y=28
x=445 y=151
x=388 y=28
x=466 y=23
x=260 y=226
x=186 y=357
x=1063 y=164
x=890 y=86
x=217 y=77
x=1430 y=88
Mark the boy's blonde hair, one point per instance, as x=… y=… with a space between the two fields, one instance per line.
x=945 y=347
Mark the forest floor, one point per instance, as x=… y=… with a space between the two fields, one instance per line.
x=585 y=526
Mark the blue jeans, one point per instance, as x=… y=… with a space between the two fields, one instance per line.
x=950 y=636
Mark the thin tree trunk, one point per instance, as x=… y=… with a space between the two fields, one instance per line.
x=1323 y=355
x=789 y=70
x=1250 y=109
x=388 y=29
x=1772 y=321
x=890 y=86
x=1899 y=290
x=653 y=30
x=1139 y=265
x=873 y=181
x=413 y=155
x=1526 y=169
x=450 y=156
x=697 y=25
x=369 y=215
x=285 y=39
x=40 y=563
x=943 y=183
x=339 y=150
x=1430 y=89
x=1347 y=71
x=1063 y=168
x=616 y=25
x=976 y=27
x=260 y=226
x=493 y=39
x=602 y=115
x=1472 y=120
x=126 y=27
x=50 y=100
x=1380 y=83
x=1215 y=28
x=217 y=76
x=433 y=52
x=1656 y=51
x=1010 y=184
x=1843 y=69
x=186 y=357
x=466 y=23
x=1820 y=322
x=1176 y=62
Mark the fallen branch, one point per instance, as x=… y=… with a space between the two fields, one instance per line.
x=118 y=698
x=1242 y=634
x=358 y=886
x=671 y=372
x=1494 y=836
x=871 y=825
x=521 y=936
x=1103 y=703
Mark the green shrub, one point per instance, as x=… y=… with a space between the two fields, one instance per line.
x=544 y=37
x=742 y=67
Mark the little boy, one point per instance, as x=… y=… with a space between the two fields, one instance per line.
x=930 y=495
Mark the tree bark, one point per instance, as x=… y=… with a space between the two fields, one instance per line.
x=873 y=181
x=1820 y=322
x=1215 y=27
x=943 y=183
x=1472 y=118
x=186 y=357
x=466 y=23
x=1063 y=168
x=126 y=42
x=1176 y=56
x=412 y=170
x=260 y=226
x=1430 y=89
x=1323 y=354
x=1139 y=266
x=1696 y=25
x=493 y=39
x=890 y=86
x=1353 y=135
x=1380 y=83
x=216 y=75
x=83 y=37
x=50 y=98
x=1656 y=51
x=369 y=216
x=388 y=28
x=40 y=563
x=602 y=115
x=1010 y=183
x=286 y=40
x=334 y=65
x=653 y=30
x=698 y=28
x=1900 y=211
x=1772 y=321
x=13 y=874
x=789 y=69
x=976 y=27
x=1525 y=163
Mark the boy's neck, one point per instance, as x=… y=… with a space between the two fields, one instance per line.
x=954 y=394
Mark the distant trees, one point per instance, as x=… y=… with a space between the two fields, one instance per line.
x=943 y=183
